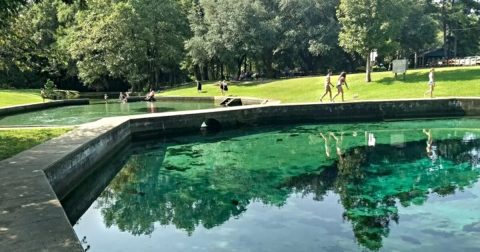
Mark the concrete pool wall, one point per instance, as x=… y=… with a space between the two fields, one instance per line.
x=38 y=106
x=34 y=181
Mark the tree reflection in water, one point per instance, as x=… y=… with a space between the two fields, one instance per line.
x=209 y=183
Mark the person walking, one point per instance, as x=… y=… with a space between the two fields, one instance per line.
x=328 y=83
x=342 y=80
x=431 y=82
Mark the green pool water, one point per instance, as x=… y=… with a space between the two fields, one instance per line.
x=73 y=115
x=392 y=186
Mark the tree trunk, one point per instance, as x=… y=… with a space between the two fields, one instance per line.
x=245 y=65
x=444 y=20
x=455 y=47
x=368 y=77
x=222 y=75
x=239 y=66
x=198 y=75
x=156 y=77
x=205 y=72
x=415 y=61
x=269 y=73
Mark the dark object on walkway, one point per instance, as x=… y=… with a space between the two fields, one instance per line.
x=231 y=102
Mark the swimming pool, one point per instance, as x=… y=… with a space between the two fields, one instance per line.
x=97 y=109
x=368 y=186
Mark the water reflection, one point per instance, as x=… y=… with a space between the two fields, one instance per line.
x=208 y=183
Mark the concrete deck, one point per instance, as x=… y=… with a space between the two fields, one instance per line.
x=32 y=182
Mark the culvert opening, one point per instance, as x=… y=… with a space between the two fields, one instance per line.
x=211 y=126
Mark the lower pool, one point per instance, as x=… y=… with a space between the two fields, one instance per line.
x=97 y=109
x=390 y=186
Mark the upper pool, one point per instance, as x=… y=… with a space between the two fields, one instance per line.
x=391 y=186
x=97 y=109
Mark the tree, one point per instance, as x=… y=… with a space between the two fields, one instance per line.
x=309 y=29
x=460 y=20
x=419 y=31
x=140 y=42
x=368 y=25
x=28 y=41
x=9 y=8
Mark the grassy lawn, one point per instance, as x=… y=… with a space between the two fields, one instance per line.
x=20 y=96
x=18 y=140
x=452 y=81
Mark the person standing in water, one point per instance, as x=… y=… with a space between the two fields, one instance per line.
x=327 y=144
x=328 y=83
x=431 y=82
x=342 y=80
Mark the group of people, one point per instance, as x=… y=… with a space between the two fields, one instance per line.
x=223 y=87
x=222 y=84
x=123 y=97
x=342 y=80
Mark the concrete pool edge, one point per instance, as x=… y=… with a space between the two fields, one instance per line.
x=39 y=106
x=31 y=216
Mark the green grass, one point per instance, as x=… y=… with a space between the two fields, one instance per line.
x=17 y=140
x=20 y=96
x=453 y=81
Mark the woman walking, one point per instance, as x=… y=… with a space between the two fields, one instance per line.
x=328 y=83
x=431 y=82
x=342 y=80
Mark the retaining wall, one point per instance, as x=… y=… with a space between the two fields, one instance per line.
x=38 y=106
x=148 y=126
x=32 y=217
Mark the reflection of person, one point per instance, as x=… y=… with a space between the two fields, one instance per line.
x=328 y=83
x=152 y=107
x=338 y=144
x=342 y=80
x=105 y=97
x=431 y=82
x=429 y=142
x=327 y=147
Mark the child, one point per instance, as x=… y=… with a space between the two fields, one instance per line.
x=431 y=82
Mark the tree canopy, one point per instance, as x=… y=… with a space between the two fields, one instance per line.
x=114 y=44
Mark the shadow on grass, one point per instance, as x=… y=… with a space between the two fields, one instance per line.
x=253 y=83
x=446 y=75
